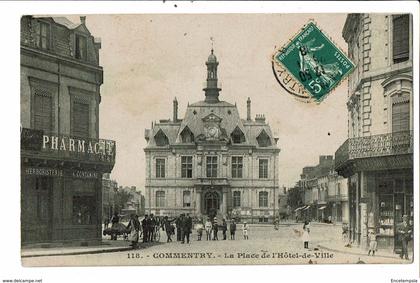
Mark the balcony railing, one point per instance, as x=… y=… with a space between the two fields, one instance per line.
x=374 y=146
x=67 y=148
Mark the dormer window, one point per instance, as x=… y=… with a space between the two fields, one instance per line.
x=81 y=47
x=187 y=136
x=43 y=35
x=161 y=139
x=237 y=136
x=263 y=139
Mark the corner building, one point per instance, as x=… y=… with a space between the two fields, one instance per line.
x=212 y=162
x=62 y=156
x=377 y=157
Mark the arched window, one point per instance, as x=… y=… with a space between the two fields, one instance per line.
x=161 y=139
x=263 y=199
x=263 y=139
x=160 y=199
x=236 y=199
x=186 y=198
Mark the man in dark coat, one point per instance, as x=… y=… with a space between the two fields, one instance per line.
x=144 y=225
x=168 y=228
x=114 y=221
x=404 y=231
x=215 y=230
x=224 y=228
x=152 y=225
x=182 y=227
x=178 y=228
x=232 y=229
x=187 y=228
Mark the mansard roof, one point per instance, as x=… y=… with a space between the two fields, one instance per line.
x=195 y=117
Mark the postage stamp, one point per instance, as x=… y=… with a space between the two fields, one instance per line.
x=314 y=62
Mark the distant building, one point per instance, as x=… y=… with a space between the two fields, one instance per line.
x=134 y=204
x=109 y=188
x=212 y=162
x=377 y=158
x=324 y=193
x=62 y=157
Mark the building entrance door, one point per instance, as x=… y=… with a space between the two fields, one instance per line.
x=211 y=203
x=37 y=210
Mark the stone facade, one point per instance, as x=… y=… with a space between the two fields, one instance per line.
x=212 y=162
x=377 y=158
x=62 y=157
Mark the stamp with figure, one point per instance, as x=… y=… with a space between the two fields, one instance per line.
x=314 y=62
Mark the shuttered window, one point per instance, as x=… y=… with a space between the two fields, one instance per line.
x=401 y=38
x=400 y=113
x=81 y=47
x=43 y=112
x=80 y=119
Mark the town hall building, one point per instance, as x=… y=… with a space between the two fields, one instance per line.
x=212 y=162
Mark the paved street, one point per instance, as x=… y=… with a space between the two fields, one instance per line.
x=265 y=246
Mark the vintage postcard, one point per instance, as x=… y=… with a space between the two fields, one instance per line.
x=217 y=139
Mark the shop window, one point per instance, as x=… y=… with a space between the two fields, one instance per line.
x=186 y=166
x=80 y=121
x=263 y=168
x=186 y=198
x=160 y=199
x=84 y=210
x=237 y=165
x=211 y=166
x=81 y=47
x=401 y=38
x=263 y=220
x=160 y=168
x=42 y=110
x=263 y=199
x=236 y=199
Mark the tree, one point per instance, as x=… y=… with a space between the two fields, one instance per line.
x=294 y=198
x=122 y=197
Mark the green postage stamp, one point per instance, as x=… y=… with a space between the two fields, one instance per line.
x=314 y=61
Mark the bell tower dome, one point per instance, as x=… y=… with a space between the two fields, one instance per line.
x=212 y=90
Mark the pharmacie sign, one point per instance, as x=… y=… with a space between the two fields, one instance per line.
x=67 y=144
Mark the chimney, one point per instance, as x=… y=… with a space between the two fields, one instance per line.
x=175 y=118
x=248 y=109
x=83 y=20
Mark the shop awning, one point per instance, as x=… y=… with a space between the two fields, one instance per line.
x=322 y=207
x=299 y=208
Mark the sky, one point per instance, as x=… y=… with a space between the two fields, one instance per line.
x=148 y=59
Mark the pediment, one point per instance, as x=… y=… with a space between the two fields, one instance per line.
x=212 y=118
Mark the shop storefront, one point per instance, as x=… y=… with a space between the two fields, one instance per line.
x=61 y=190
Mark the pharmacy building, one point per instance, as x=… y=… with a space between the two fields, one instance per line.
x=62 y=157
x=212 y=162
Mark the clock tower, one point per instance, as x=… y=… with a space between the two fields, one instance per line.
x=212 y=89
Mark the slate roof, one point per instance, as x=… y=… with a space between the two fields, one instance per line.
x=230 y=119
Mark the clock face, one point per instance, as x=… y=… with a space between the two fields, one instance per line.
x=212 y=131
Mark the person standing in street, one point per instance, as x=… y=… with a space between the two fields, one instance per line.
x=152 y=225
x=200 y=228
x=144 y=225
x=168 y=228
x=134 y=227
x=178 y=228
x=232 y=229
x=187 y=229
x=305 y=235
x=373 y=244
x=114 y=225
x=245 y=231
x=208 y=227
x=405 y=234
x=224 y=228
x=215 y=230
